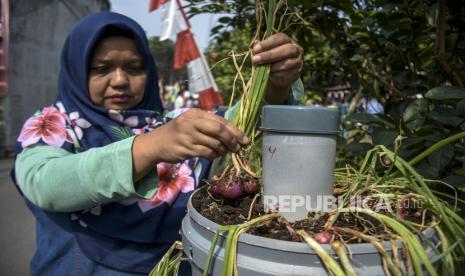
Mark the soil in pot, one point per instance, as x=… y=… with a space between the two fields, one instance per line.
x=238 y=211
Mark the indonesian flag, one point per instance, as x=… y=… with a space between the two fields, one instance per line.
x=172 y=17
x=175 y=23
x=186 y=49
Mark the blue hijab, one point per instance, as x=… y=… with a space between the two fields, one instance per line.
x=73 y=79
x=130 y=235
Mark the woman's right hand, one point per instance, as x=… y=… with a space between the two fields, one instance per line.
x=195 y=133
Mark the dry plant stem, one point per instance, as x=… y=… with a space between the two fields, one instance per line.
x=365 y=221
x=409 y=239
x=330 y=263
x=378 y=245
x=423 y=219
x=290 y=229
x=245 y=167
x=355 y=184
x=236 y=273
x=445 y=245
x=237 y=167
x=259 y=17
x=218 y=62
x=249 y=215
x=168 y=265
x=226 y=170
x=239 y=70
x=449 y=220
x=285 y=16
x=331 y=220
x=254 y=92
x=233 y=93
x=395 y=253
x=233 y=233
x=338 y=247
x=385 y=264
x=418 y=185
x=212 y=197
x=408 y=258
x=255 y=95
x=455 y=197
x=231 y=243
x=407 y=185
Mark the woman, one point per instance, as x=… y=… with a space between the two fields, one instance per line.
x=108 y=202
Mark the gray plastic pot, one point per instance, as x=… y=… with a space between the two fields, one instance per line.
x=299 y=155
x=259 y=256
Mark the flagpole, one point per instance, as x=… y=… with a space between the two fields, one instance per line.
x=205 y=84
x=202 y=57
x=184 y=16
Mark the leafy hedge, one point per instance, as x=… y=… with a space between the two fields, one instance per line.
x=410 y=55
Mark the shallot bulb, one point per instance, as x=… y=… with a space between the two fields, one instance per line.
x=236 y=188
x=232 y=190
x=216 y=188
x=251 y=186
x=323 y=237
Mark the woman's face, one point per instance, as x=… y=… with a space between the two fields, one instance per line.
x=117 y=75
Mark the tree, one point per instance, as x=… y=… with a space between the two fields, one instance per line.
x=163 y=53
x=408 y=54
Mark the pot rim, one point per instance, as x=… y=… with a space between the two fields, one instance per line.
x=273 y=244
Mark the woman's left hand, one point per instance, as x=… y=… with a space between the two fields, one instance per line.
x=286 y=60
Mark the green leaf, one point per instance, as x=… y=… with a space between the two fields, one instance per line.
x=460 y=108
x=414 y=114
x=359 y=148
x=370 y=119
x=413 y=141
x=460 y=171
x=445 y=93
x=427 y=170
x=122 y=132
x=442 y=157
x=216 y=29
x=455 y=180
x=224 y=19
x=357 y=57
x=384 y=137
x=449 y=121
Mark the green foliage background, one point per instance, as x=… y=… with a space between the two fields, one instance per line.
x=163 y=54
x=410 y=55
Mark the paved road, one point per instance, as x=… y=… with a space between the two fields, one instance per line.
x=17 y=227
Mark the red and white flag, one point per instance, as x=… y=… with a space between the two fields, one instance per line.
x=175 y=22
x=172 y=17
x=200 y=78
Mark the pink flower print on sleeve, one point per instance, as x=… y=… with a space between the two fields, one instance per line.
x=172 y=179
x=185 y=181
x=49 y=125
x=78 y=124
